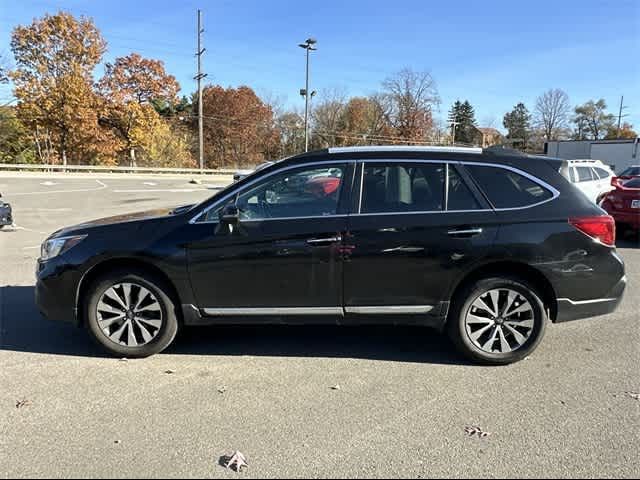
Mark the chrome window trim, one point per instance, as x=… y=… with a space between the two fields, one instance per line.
x=262 y=177
x=555 y=193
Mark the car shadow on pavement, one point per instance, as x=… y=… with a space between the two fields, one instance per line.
x=23 y=329
x=628 y=240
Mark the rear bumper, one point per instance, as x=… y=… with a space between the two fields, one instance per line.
x=569 y=309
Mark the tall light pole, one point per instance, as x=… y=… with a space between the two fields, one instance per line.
x=308 y=45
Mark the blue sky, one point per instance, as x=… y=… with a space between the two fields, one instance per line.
x=493 y=53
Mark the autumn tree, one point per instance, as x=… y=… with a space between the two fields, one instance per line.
x=592 y=121
x=626 y=131
x=239 y=128
x=132 y=86
x=326 y=116
x=290 y=126
x=551 y=113
x=55 y=58
x=364 y=121
x=411 y=98
x=517 y=122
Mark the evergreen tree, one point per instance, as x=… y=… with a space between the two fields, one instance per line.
x=466 y=118
x=517 y=123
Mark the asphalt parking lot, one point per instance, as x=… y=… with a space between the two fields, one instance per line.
x=298 y=402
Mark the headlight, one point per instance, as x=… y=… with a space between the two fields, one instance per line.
x=56 y=246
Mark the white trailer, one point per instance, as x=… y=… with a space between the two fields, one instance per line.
x=618 y=154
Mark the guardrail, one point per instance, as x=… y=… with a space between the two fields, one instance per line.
x=25 y=167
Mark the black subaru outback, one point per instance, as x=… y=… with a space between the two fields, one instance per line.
x=487 y=245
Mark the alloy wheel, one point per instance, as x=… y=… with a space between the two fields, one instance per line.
x=500 y=321
x=129 y=314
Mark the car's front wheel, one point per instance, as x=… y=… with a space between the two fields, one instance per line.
x=497 y=321
x=131 y=314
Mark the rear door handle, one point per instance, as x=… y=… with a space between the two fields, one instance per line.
x=467 y=232
x=321 y=241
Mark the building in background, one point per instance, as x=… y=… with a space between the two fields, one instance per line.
x=618 y=154
x=486 y=137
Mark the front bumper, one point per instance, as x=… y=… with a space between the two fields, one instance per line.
x=569 y=309
x=55 y=291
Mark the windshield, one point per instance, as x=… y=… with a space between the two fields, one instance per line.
x=631 y=172
x=635 y=183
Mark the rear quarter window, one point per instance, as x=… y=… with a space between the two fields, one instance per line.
x=584 y=174
x=508 y=189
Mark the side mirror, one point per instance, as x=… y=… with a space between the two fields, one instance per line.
x=230 y=215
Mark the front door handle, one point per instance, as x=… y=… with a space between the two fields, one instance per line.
x=321 y=241
x=467 y=232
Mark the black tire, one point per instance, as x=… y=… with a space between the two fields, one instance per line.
x=164 y=336
x=462 y=304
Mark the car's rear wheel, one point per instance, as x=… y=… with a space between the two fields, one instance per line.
x=131 y=314
x=497 y=321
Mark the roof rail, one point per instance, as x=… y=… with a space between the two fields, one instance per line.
x=405 y=148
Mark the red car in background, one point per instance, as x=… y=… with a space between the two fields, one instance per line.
x=623 y=203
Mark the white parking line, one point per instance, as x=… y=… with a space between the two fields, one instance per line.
x=49 y=192
x=16 y=228
x=172 y=190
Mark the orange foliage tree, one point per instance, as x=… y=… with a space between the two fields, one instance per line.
x=239 y=128
x=128 y=87
x=55 y=57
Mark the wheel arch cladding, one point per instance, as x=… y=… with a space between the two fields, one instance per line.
x=513 y=269
x=131 y=265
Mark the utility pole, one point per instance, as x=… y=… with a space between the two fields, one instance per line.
x=620 y=115
x=454 y=124
x=308 y=45
x=199 y=78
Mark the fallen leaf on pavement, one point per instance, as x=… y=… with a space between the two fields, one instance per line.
x=471 y=431
x=23 y=403
x=235 y=461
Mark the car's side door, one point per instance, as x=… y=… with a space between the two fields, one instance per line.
x=416 y=226
x=283 y=255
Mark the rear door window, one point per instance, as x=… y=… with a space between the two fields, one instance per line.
x=601 y=173
x=508 y=189
x=460 y=196
x=584 y=174
x=398 y=187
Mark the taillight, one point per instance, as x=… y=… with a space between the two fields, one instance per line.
x=601 y=228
